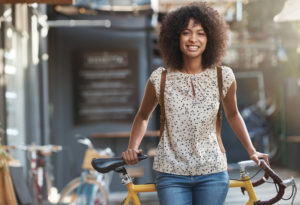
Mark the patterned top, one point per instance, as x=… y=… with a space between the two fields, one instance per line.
x=189 y=144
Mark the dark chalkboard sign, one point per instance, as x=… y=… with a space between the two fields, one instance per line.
x=105 y=86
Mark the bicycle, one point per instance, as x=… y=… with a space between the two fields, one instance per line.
x=260 y=126
x=245 y=183
x=90 y=188
x=41 y=183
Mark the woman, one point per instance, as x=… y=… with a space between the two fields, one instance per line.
x=190 y=161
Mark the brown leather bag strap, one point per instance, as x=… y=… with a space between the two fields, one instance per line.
x=220 y=82
x=219 y=115
x=162 y=101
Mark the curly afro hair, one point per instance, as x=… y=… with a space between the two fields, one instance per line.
x=176 y=21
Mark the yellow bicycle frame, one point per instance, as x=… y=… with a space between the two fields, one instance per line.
x=134 y=189
x=247 y=184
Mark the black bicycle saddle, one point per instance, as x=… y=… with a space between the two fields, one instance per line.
x=104 y=165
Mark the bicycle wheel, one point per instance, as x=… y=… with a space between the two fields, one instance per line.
x=91 y=192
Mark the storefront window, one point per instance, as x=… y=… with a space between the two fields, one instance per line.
x=15 y=56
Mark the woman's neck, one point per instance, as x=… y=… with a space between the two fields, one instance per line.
x=192 y=67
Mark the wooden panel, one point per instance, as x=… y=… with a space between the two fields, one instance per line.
x=295 y=139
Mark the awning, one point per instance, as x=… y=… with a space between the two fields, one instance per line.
x=290 y=12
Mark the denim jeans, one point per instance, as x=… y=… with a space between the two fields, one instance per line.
x=209 y=189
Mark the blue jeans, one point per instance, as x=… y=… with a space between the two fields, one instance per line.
x=209 y=189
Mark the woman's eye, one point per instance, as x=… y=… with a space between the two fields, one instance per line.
x=201 y=34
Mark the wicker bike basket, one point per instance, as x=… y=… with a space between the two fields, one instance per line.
x=88 y=156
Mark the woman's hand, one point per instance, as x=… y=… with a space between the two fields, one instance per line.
x=130 y=156
x=257 y=155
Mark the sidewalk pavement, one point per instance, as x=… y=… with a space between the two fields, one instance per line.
x=235 y=196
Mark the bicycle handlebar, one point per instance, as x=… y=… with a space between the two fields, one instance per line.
x=262 y=180
x=276 y=179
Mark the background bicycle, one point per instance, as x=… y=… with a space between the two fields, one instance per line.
x=260 y=122
x=91 y=187
x=40 y=181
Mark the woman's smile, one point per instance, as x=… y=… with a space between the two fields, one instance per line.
x=193 y=48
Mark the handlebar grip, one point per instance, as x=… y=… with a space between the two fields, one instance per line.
x=276 y=180
x=274 y=199
x=270 y=172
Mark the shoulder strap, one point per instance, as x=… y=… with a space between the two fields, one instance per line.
x=219 y=115
x=162 y=101
x=220 y=82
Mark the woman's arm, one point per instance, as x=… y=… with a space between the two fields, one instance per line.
x=140 y=124
x=238 y=125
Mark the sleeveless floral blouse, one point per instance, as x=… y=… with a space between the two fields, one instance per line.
x=189 y=144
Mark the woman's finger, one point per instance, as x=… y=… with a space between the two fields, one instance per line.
x=133 y=156
x=255 y=158
x=266 y=158
x=130 y=156
x=124 y=156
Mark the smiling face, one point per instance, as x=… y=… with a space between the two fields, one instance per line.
x=193 y=40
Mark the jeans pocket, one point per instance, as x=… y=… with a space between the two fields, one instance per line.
x=163 y=179
x=159 y=175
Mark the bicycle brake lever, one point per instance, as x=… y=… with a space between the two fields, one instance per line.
x=289 y=182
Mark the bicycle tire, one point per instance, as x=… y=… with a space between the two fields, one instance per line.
x=72 y=186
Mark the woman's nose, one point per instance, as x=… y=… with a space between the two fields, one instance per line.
x=193 y=38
